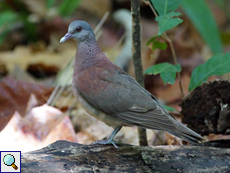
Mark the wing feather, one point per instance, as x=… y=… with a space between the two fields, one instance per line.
x=118 y=94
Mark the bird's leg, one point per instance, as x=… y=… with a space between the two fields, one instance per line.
x=110 y=139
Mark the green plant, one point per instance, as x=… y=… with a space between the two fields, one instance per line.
x=201 y=16
x=17 y=15
x=7 y=17
x=65 y=7
x=217 y=65
x=167 y=71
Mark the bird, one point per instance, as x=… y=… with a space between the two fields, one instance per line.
x=111 y=95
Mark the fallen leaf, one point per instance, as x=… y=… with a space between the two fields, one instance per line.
x=15 y=95
x=41 y=126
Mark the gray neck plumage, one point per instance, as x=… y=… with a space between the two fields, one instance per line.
x=88 y=46
x=87 y=51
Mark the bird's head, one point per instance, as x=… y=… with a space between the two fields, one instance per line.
x=79 y=31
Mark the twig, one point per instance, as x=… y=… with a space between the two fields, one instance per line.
x=165 y=36
x=175 y=60
x=51 y=98
x=136 y=43
x=102 y=21
x=57 y=95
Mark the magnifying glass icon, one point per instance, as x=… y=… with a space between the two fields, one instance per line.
x=9 y=160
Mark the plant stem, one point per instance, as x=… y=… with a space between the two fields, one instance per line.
x=175 y=60
x=165 y=36
x=136 y=49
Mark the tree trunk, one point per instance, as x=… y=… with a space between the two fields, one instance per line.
x=136 y=49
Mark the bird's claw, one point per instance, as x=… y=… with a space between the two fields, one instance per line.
x=104 y=142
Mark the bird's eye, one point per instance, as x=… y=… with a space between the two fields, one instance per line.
x=79 y=28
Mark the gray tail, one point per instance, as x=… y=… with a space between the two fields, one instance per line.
x=186 y=134
x=160 y=119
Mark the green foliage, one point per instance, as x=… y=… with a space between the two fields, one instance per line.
x=167 y=71
x=67 y=7
x=50 y=3
x=217 y=65
x=200 y=14
x=167 y=18
x=225 y=37
x=169 y=108
x=224 y=5
x=7 y=18
x=156 y=44
x=167 y=21
x=164 y=7
x=159 y=45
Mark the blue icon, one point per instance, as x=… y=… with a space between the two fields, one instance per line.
x=9 y=160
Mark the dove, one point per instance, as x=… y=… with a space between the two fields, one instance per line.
x=111 y=95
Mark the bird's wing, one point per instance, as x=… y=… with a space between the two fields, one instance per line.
x=116 y=93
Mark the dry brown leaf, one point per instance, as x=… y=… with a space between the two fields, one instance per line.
x=85 y=138
x=40 y=127
x=172 y=140
x=25 y=56
x=36 y=7
x=99 y=130
x=63 y=131
x=212 y=137
x=99 y=8
x=19 y=74
x=15 y=95
x=81 y=119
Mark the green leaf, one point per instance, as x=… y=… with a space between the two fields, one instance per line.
x=4 y=35
x=156 y=44
x=50 y=3
x=167 y=71
x=221 y=3
x=169 y=108
x=7 y=17
x=225 y=37
x=217 y=65
x=159 y=45
x=31 y=29
x=200 y=14
x=152 y=40
x=166 y=22
x=67 y=7
x=163 y=7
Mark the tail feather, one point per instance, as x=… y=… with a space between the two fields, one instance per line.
x=186 y=134
x=160 y=121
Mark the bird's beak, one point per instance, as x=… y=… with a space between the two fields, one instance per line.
x=66 y=37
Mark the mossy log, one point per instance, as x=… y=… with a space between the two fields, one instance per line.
x=64 y=156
